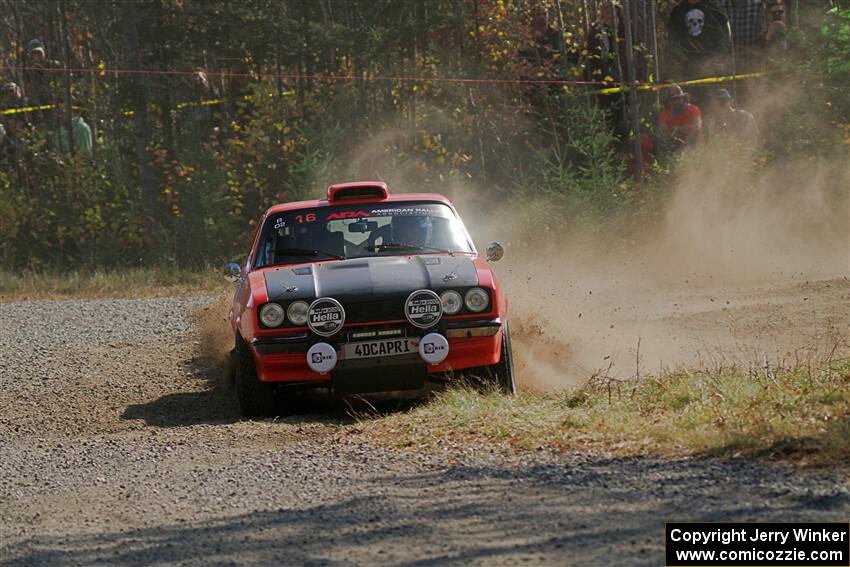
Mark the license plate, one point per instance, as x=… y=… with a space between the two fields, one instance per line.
x=387 y=347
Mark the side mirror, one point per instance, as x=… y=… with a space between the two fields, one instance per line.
x=233 y=272
x=494 y=251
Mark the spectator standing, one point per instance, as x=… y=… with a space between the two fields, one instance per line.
x=13 y=126
x=195 y=119
x=680 y=123
x=7 y=152
x=239 y=88
x=37 y=78
x=82 y=135
x=700 y=40
x=80 y=130
x=11 y=98
x=776 y=38
x=746 y=19
x=36 y=81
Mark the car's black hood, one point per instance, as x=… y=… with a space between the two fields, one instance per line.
x=369 y=278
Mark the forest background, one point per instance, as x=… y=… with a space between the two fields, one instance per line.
x=305 y=93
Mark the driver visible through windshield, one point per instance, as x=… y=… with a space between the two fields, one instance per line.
x=354 y=231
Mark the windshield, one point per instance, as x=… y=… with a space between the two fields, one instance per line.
x=355 y=231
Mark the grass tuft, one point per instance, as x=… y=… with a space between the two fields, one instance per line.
x=125 y=282
x=800 y=414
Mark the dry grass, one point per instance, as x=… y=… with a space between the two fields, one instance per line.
x=793 y=414
x=800 y=414
x=133 y=282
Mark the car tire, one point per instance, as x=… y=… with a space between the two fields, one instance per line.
x=256 y=399
x=230 y=368
x=501 y=375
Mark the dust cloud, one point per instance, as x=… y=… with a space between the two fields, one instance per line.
x=215 y=339
x=746 y=264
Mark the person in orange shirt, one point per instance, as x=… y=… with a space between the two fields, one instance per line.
x=680 y=122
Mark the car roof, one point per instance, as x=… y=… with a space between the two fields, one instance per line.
x=392 y=198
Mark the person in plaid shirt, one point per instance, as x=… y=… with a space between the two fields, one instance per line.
x=747 y=20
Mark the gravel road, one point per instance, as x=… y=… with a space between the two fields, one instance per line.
x=118 y=447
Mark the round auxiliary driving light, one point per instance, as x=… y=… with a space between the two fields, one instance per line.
x=423 y=308
x=297 y=312
x=321 y=358
x=325 y=316
x=271 y=315
x=477 y=300
x=433 y=348
x=452 y=302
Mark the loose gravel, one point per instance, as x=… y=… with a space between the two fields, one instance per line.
x=119 y=446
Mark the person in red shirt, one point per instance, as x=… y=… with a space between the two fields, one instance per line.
x=680 y=121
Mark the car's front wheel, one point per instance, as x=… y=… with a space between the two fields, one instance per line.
x=501 y=375
x=256 y=399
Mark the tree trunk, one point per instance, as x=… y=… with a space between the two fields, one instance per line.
x=653 y=49
x=619 y=62
x=141 y=128
x=633 y=98
x=67 y=75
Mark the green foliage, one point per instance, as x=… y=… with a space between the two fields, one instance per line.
x=56 y=209
x=171 y=183
x=579 y=178
x=835 y=30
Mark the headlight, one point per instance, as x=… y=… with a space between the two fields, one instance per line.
x=477 y=300
x=271 y=315
x=297 y=313
x=452 y=302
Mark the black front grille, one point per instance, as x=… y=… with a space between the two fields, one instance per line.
x=379 y=310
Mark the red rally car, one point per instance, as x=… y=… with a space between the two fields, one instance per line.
x=365 y=292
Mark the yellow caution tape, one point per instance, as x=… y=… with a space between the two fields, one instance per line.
x=208 y=102
x=605 y=91
x=26 y=109
x=188 y=104
x=32 y=109
x=705 y=81
x=178 y=106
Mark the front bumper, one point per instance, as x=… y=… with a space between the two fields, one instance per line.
x=472 y=343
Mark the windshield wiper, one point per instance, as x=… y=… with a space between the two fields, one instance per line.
x=305 y=252
x=403 y=246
